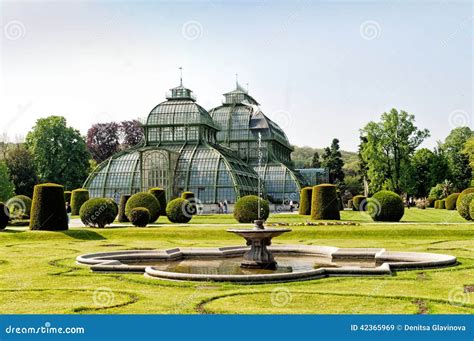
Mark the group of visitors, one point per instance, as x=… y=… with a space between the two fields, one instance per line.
x=222 y=207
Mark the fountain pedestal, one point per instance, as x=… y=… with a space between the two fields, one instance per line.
x=258 y=238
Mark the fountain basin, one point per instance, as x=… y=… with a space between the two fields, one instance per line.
x=212 y=264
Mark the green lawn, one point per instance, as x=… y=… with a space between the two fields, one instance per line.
x=38 y=273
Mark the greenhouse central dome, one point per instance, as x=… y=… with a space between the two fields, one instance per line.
x=179 y=154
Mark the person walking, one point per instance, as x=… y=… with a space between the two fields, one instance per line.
x=291 y=206
x=68 y=211
x=225 y=206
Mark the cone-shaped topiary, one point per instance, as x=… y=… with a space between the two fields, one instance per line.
x=67 y=196
x=464 y=204
x=78 y=197
x=442 y=204
x=139 y=216
x=98 y=212
x=247 y=208
x=187 y=195
x=143 y=199
x=450 y=201
x=386 y=206
x=177 y=209
x=122 y=217
x=19 y=206
x=48 y=210
x=160 y=195
x=4 y=215
x=357 y=201
x=324 y=203
x=305 y=200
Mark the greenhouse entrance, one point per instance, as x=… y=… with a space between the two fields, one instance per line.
x=158 y=168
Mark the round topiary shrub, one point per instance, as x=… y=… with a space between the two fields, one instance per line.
x=386 y=206
x=357 y=201
x=48 y=209
x=160 y=195
x=471 y=209
x=139 y=216
x=4 y=215
x=122 y=217
x=464 y=204
x=450 y=201
x=67 y=196
x=78 y=197
x=19 y=207
x=146 y=200
x=324 y=203
x=442 y=204
x=458 y=201
x=305 y=200
x=98 y=212
x=246 y=209
x=177 y=209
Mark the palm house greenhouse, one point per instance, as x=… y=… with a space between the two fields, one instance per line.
x=232 y=151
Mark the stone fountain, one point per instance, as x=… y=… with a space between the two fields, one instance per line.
x=258 y=238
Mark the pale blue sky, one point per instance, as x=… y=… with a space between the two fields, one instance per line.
x=319 y=69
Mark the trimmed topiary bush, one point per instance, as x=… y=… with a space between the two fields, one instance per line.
x=436 y=204
x=324 y=203
x=78 y=197
x=98 y=212
x=19 y=206
x=450 y=201
x=464 y=204
x=305 y=200
x=246 y=209
x=386 y=206
x=48 y=209
x=442 y=204
x=187 y=195
x=4 y=215
x=177 y=209
x=139 y=216
x=357 y=201
x=122 y=217
x=458 y=201
x=143 y=199
x=67 y=196
x=160 y=195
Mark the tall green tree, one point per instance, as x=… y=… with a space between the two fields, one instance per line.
x=389 y=146
x=332 y=159
x=469 y=151
x=421 y=179
x=20 y=163
x=315 y=162
x=59 y=151
x=458 y=162
x=6 y=185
